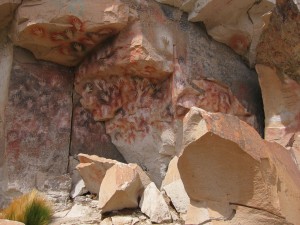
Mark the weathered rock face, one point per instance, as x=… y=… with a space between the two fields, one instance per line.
x=237 y=24
x=152 y=73
x=38 y=121
x=64 y=33
x=89 y=136
x=220 y=149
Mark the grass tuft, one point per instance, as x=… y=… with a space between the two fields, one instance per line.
x=30 y=209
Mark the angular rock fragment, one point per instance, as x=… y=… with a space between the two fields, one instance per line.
x=174 y=188
x=120 y=188
x=224 y=160
x=92 y=169
x=66 y=32
x=153 y=205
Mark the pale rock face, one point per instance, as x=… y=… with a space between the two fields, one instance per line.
x=220 y=149
x=174 y=188
x=120 y=188
x=7 y=8
x=238 y=24
x=64 y=33
x=153 y=205
x=92 y=169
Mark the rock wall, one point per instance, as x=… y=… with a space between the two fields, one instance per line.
x=144 y=82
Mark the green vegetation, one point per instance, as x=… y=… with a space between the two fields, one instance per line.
x=30 y=209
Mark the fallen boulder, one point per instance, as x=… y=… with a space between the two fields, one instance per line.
x=225 y=160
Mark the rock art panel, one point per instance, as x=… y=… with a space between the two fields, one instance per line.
x=238 y=24
x=38 y=121
x=146 y=78
x=7 y=9
x=89 y=136
x=65 y=32
x=224 y=160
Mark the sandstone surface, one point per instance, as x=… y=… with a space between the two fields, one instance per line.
x=92 y=169
x=120 y=188
x=244 y=169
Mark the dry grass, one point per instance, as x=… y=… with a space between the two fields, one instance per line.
x=31 y=209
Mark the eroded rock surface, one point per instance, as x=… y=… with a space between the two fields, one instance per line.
x=64 y=33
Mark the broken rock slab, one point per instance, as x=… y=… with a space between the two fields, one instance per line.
x=153 y=205
x=120 y=188
x=220 y=149
x=92 y=169
x=65 y=32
